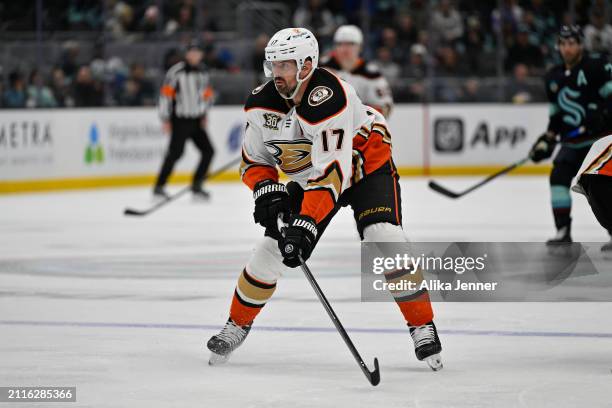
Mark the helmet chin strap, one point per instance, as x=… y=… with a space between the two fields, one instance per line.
x=297 y=87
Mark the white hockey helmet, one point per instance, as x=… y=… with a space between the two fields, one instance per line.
x=297 y=44
x=348 y=34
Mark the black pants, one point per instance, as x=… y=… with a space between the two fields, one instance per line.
x=566 y=164
x=376 y=198
x=183 y=129
x=598 y=190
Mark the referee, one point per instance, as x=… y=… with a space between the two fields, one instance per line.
x=184 y=99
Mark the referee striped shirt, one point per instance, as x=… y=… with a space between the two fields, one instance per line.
x=185 y=93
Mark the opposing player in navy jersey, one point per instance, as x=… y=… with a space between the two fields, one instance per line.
x=580 y=94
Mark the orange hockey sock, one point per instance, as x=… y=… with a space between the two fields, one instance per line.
x=415 y=305
x=250 y=297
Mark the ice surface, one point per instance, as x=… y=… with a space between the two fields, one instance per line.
x=122 y=307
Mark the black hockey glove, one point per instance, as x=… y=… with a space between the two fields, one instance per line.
x=271 y=199
x=543 y=148
x=299 y=238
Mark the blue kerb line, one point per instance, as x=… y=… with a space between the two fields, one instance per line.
x=507 y=333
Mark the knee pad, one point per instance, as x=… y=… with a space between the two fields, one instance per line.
x=266 y=263
x=384 y=232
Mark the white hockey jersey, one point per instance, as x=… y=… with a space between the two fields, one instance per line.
x=327 y=143
x=371 y=86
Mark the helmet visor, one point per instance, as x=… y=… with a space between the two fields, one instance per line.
x=280 y=68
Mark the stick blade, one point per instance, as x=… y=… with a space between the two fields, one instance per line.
x=134 y=213
x=375 y=375
x=439 y=189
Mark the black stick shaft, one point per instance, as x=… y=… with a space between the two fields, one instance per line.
x=442 y=190
x=181 y=192
x=373 y=377
x=496 y=175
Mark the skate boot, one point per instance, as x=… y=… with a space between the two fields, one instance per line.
x=606 y=250
x=560 y=244
x=427 y=345
x=160 y=194
x=200 y=194
x=229 y=339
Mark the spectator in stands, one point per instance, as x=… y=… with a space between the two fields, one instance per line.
x=87 y=91
x=146 y=90
x=520 y=91
x=60 y=87
x=407 y=33
x=449 y=64
x=474 y=47
x=183 y=21
x=418 y=9
x=214 y=59
x=131 y=94
x=446 y=23
x=471 y=92
x=317 y=18
x=598 y=34
x=38 y=94
x=121 y=20
x=506 y=18
x=70 y=54
x=150 y=20
x=389 y=68
x=15 y=96
x=388 y=40
x=523 y=52
x=416 y=67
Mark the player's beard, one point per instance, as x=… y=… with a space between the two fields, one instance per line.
x=573 y=60
x=283 y=87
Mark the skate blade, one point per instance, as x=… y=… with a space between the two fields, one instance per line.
x=434 y=362
x=218 y=359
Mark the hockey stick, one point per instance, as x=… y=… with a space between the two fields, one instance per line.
x=181 y=192
x=444 y=191
x=372 y=376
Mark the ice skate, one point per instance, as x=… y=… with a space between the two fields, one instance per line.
x=427 y=346
x=160 y=194
x=223 y=344
x=561 y=243
x=200 y=195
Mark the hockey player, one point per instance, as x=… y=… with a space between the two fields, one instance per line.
x=580 y=94
x=595 y=182
x=337 y=152
x=372 y=88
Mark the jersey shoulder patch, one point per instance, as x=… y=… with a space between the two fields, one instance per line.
x=367 y=69
x=323 y=98
x=266 y=97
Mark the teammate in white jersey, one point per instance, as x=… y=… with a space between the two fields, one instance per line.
x=371 y=86
x=337 y=152
x=595 y=182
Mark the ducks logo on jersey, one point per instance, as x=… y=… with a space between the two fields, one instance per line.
x=319 y=95
x=291 y=156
